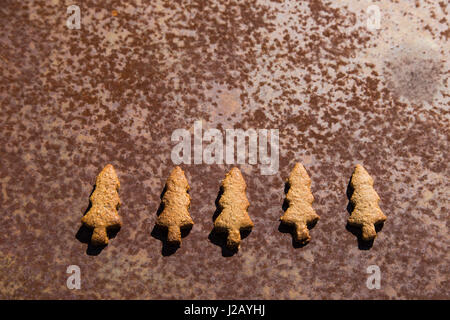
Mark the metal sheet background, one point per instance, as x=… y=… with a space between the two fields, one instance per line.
x=114 y=91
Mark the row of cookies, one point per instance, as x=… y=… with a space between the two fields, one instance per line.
x=233 y=204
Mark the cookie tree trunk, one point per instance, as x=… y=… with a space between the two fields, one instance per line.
x=176 y=201
x=105 y=201
x=233 y=204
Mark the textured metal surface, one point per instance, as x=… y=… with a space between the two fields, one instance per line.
x=114 y=91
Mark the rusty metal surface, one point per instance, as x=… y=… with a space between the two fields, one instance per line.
x=114 y=91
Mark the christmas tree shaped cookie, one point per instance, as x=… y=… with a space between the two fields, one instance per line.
x=233 y=204
x=366 y=212
x=105 y=201
x=176 y=201
x=300 y=212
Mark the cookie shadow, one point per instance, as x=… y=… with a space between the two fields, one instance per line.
x=160 y=233
x=356 y=231
x=168 y=248
x=287 y=228
x=84 y=234
x=219 y=237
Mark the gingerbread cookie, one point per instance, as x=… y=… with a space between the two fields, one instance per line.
x=176 y=201
x=233 y=204
x=300 y=212
x=105 y=202
x=366 y=212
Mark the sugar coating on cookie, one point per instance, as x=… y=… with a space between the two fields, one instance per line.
x=105 y=202
x=234 y=205
x=366 y=212
x=300 y=212
x=176 y=201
